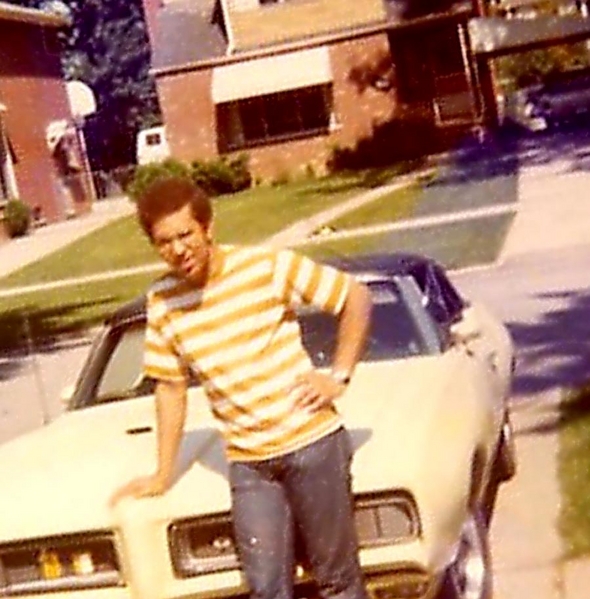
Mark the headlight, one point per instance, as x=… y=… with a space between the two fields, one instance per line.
x=206 y=545
x=202 y=545
x=80 y=561
x=386 y=518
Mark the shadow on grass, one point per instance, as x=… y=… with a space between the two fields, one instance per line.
x=30 y=326
x=352 y=180
x=576 y=407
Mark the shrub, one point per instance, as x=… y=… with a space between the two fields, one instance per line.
x=215 y=177
x=283 y=178
x=146 y=174
x=17 y=218
x=224 y=175
x=123 y=176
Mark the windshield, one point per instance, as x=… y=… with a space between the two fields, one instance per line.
x=117 y=370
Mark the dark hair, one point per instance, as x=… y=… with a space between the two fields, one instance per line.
x=168 y=194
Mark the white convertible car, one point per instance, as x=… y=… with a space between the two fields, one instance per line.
x=428 y=414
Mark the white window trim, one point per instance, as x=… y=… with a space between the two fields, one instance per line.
x=8 y=166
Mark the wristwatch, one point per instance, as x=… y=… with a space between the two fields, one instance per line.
x=341 y=377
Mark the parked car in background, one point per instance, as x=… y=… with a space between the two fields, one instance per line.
x=562 y=98
x=520 y=108
x=428 y=416
x=152 y=145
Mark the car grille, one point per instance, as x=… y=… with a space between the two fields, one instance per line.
x=80 y=561
x=206 y=545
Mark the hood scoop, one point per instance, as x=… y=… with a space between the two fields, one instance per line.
x=139 y=430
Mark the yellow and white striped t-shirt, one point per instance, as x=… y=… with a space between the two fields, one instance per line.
x=240 y=336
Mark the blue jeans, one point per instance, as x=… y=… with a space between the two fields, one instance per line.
x=306 y=495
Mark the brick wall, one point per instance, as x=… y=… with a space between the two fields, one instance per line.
x=356 y=111
x=190 y=119
x=296 y=20
x=32 y=88
x=189 y=114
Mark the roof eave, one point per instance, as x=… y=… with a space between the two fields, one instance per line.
x=380 y=26
x=32 y=16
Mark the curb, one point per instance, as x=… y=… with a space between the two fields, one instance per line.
x=415 y=223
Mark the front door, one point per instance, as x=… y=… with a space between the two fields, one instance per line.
x=455 y=93
x=434 y=74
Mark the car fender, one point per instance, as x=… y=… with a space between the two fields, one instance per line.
x=449 y=485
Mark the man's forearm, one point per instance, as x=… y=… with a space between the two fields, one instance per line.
x=171 y=414
x=352 y=329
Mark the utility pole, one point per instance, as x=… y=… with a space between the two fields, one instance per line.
x=36 y=371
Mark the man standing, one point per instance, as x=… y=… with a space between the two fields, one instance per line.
x=227 y=314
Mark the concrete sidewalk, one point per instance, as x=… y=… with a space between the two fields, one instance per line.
x=553 y=213
x=19 y=252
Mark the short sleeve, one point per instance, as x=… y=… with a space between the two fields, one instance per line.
x=161 y=360
x=299 y=279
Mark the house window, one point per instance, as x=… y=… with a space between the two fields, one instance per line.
x=274 y=117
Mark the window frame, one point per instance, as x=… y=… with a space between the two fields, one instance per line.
x=235 y=118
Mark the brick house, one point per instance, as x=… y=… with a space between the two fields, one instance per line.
x=40 y=157
x=289 y=82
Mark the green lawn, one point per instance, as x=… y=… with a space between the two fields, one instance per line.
x=393 y=206
x=456 y=245
x=573 y=469
x=74 y=308
x=120 y=244
x=245 y=217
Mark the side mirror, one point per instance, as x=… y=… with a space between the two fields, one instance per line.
x=467 y=329
x=66 y=394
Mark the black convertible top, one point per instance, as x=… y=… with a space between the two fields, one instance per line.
x=388 y=265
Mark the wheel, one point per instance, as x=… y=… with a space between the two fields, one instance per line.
x=470 y=576
x=505 y=462
x=503 y=469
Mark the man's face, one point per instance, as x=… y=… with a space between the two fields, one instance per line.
x=184 y=243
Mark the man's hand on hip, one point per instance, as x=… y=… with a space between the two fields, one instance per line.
x=316 y=390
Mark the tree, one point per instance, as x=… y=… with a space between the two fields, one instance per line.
x=531 y=67
x=107 y=48
x=528 y=68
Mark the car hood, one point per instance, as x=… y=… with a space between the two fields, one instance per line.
x=59 y=478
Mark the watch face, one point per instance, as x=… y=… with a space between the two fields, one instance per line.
x=341 y=377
